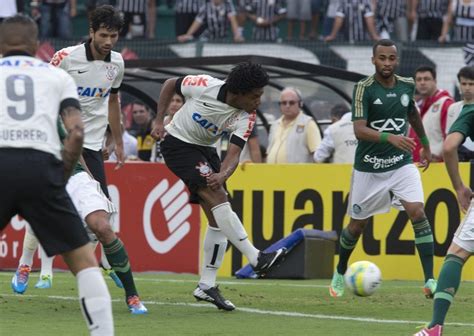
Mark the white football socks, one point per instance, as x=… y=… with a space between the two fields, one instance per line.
x=232 y=227
x=215 y=244
x=30 y=244
x=95 y=302
x=46 y=264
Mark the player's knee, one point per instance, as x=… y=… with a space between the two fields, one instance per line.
x=458 y=251
x=417 y=214
x=102 y=228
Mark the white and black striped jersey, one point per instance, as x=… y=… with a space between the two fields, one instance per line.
x=469 y=54
x=216 y=18
x=188 y=6
x=132 y=6
x=95 y=81
x=432 y=8
x=32 y=93
x=266 y=9
x=391 y=8
x=354 y=13
x=205 y=116
x=463 y=16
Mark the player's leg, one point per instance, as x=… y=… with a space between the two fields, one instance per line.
x=59 y=229
x=214 y=247
x=347 y=242
x=117 y=256
x=95 y=209
x=106 y=268
x=20 y=278
x=449 y=279
x=46 y=274
x=94 y=295
x=408 y=189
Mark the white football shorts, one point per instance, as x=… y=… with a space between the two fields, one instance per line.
x=87 y=196
x=370 y=193
x=464 y=236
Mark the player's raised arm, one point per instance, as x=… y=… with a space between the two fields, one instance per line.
x=167 y=91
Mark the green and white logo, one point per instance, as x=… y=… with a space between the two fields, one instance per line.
x=405 y=100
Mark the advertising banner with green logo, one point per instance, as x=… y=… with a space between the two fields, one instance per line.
x=275 y=200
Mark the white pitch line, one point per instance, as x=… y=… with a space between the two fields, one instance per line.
x=261 y=311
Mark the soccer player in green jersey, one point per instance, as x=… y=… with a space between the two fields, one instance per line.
x=382 y=107
x=462 y=246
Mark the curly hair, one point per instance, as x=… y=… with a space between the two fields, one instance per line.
x=107 y=17
x=245 y=77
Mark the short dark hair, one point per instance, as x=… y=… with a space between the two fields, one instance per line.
x=339 y=110
x=426 y=68
x=30 y=31
x=383 y=43
x=107 y=17
x=245 y=77
x=466 y=72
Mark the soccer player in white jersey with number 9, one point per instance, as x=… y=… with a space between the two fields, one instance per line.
x=214 y=107
x=34 y=170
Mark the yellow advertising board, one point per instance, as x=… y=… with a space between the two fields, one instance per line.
x=275 y=200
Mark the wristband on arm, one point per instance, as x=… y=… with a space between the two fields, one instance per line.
x=424 y=140
x=384 y=137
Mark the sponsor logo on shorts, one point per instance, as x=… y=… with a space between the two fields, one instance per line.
x=356 y=208
x=381 y=163
x=204 y=169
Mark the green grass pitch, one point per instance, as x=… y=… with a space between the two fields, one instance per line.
x=264 y=307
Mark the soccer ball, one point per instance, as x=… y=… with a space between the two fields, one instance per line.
x=363 y=278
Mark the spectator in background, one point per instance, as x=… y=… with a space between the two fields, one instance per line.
x=10 y=8
x=93 y=4
x=328 y=21
x=298 y=10
x=142 y=118
x=265 y=14
x=316 y=6
x=430 y=17
x=186 y=12
x=433 y=106
x=139 y=18
x=294 y=136
x=129 y=146
x=215 y=14
x=55 y=17
x=242 y=13
x=460 y=14
x=339 y=141
x=391 y=18
x=357 y=19
x=177 y=101
x=466 y=86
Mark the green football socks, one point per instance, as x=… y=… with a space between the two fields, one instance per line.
x=448 y=284
x=347 y=243
x=118 y=260
x=424 y=245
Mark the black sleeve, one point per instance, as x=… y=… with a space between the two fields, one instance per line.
x=69 y=102
x=178 y=86
x=114 y=90
x=237 y=141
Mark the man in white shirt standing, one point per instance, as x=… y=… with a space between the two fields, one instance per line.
x=214 y=108
x=339 y=141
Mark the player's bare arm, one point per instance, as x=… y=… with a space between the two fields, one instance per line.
x=166 y=94
x=72 y=150
x=415 y=121
x=365 y=133
x=114 y=122
x=230 y=163
x=451 y=160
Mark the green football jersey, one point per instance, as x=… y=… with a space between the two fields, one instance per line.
x=62 y=135
x=385 y=110
x=464 y=124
